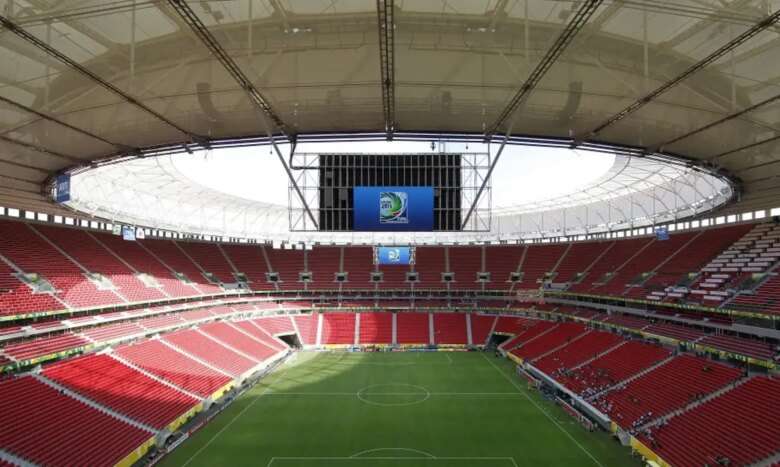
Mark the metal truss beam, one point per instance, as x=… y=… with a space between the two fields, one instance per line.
x=41 y=149
x=696 y=67
x=211 y=43
x=385 y=10
x=708 y=126
x=52 y=52
x=576 y=23
x=44 y=116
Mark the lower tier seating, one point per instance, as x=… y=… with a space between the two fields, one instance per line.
x=579 y=351
x=376 y=328
x=613 y=367
x=737 y=428
x=307 y=328
x=338 y=328
x=196 y=344
x=671 y=386
x=548 y=341
x=40 y=425
x=109 y=382
x=412 y=328
x=162 y=361
x=449 y=328
x=480 y=327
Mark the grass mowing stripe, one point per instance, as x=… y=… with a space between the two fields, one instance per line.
x=550 y=417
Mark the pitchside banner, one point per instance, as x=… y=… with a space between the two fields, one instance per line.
x=393 y=208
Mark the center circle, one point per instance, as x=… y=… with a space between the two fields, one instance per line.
x=393 y=394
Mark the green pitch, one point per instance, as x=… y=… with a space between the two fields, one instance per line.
x=443 y=409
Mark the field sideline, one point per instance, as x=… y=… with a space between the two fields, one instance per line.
x=415 y=409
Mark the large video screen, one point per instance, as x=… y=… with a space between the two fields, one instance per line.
x=393 y=208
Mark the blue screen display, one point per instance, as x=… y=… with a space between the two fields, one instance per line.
x=661 y=233
x=393 y=208
x=62 y=189
x=128 y=233
x=390 y=255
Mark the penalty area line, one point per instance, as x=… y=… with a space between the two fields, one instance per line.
x=550 y=417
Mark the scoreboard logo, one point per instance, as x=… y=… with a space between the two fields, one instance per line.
x=393 y=207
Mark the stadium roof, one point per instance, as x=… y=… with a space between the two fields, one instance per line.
x=88 y=80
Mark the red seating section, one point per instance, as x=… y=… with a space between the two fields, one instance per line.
x=617 y=254
x=142 y=261
x=359 y=263
x=307 y=328
x=480 y=328
x=210 y=258
x=323 y=263
x=338 y=328
x=246 y=344
x=530 y=330
x=48 y=428
x=17 y=298
x=579 y=351
x=287 y=263
x=465 y=262
x=741 y=426
x=671 y=386
x=747 y=347
x=501 y=262
x=548 y=341
x=20 y=244
x=27 y=350
x=429 y=264
x=253 y=328
x=539 y=260
x=450 y=328
x=156 y=358
x=376 y=328
x=276 y=325
x=613 y=367
x=168 y=252
x=196 y=344
x=250 y=261
x=95 y=258
x=412 y=328
x=122 y=389
x=580 y=256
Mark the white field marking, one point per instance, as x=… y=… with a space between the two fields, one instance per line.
x=550 y=417
x=228 y=425
x=416 y=451
x=384 y=458
x=422 y=391
x=285 y=393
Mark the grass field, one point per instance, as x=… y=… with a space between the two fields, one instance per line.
x=452 y=409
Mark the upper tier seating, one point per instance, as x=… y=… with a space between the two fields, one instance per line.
x=338 y=328
x=545 y=342
x=250 y=261
x=465 y=262
x=143 y=261
x=39 y=424
x=429 y=264
x=358 y=263
x=585 y=348
x=199 y=346
x=211 y=259
x=376 y=328
x=671 y=386
x=122 y=389
x=29 y=349
x=579 y=257
x=613 y=367
x=412 y=328
x=17 y=298
x=288 y=264
x=21 y=244
x=615 y=256
x=156 y=358
x=501 y=262
x=450 y=328
x=82 y=247
x=751 y=348
x=323 y=264
x=169 y=253
x=740 y=425
x=481 y=325
x=539 y=260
